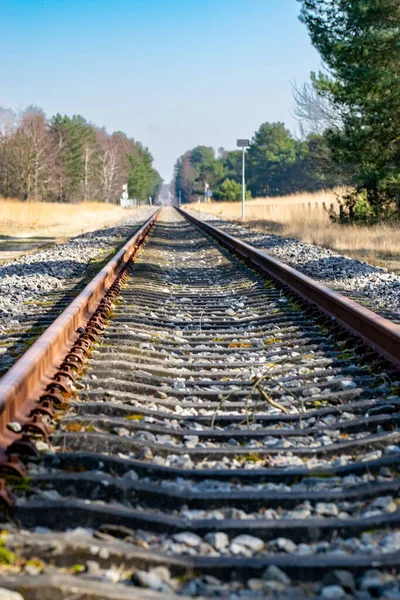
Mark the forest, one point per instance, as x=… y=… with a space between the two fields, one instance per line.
x=68 y=159
x=348 y=115
x=276 y=164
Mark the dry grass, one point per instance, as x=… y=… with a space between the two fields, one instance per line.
x=18 y=217
x=27 y=226
x=275 y=209
x=305 y=217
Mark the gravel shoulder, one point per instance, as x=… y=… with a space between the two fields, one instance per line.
x=36 y=287
x=377 y=288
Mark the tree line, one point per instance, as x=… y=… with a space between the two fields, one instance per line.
x=355 y=98
x=68 y=159
x=349 y=113
x=276 y=164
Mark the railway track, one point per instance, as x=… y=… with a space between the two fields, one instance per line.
x=224 y=438
x=22 y=327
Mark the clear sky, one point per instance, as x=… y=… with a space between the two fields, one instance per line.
x=170 y=73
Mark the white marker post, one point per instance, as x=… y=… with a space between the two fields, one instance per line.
x=243 y=144
x=206 y=186
x=124 y=196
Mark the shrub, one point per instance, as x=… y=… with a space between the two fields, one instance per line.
x=231 y=191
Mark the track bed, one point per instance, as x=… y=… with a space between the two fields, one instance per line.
x=221 y=442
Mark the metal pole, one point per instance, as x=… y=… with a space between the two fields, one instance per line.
x=180 y=198
x=243 y=186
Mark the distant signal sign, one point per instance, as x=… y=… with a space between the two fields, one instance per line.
x=242 y=143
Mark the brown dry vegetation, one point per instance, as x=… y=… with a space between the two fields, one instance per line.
x=305 y=217
x=27 y=226
x=19 y=218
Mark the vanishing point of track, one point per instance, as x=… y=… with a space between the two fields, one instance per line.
x=197 y=422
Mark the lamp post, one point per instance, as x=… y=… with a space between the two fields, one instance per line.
x=243 y=144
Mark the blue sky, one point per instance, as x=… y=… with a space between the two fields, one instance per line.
x=170 y=73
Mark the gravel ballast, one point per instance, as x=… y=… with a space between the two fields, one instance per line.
x=219 y=443
x=374 y=287
x=36 y=287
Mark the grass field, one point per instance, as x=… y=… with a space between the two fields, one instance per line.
x=26 y=226
x=305 y=217
x=17 y=216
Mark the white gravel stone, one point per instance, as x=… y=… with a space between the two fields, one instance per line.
x=188 y=538
x=274 y=573
x=132 y=475
x=333 y=592
x=148 y=580
x=249 y=541
x=391 y=542
x=14 y=426
x=9 y=595
x=285 y=545
x=327 y=509
x=218 y=539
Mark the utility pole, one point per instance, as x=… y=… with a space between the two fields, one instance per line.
x=243 y=185
x=243 y=144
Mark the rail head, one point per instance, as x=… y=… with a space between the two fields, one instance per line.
x=28 y=377
x=380 y=333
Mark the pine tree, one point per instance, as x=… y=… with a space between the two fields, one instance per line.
x=359 y=42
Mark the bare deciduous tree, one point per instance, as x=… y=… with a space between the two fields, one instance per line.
x=68 y=159
x=313 y=112
x=40 y=151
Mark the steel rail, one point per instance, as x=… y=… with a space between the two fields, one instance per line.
x=28 y=378
x=115 y=471
x=380 y=333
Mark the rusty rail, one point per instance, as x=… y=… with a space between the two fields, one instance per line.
x=127 y=381
x=380 y=333
x=21 y=387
